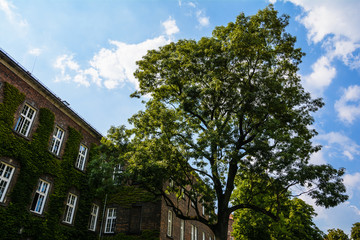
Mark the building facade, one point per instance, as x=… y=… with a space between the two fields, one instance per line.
x=44 y=151
x=45 y=148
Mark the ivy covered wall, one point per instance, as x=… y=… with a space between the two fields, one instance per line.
x=16 y=220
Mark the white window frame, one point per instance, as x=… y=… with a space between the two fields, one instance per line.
x=194 y=232
x=110 y=223
x=118 y=169
x=170 y=223
x=182 y=229
x=70 y=208
x=25 y=121
x=57 y=139
x=203 y=236
x=93 y=217
x=6 y=173
x=81 y=158
x=40 y=197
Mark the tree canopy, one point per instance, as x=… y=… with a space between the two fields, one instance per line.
x=336 y=234
x=228 y=109
x=295 y=216
x=355 y=231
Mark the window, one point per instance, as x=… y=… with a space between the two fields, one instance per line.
x=6 y=172
x=203 y=236
x=118 y=169
x=194 y=232
x=110 y=220
x=40 y=196
x=171 y=183
x=25 y=120
x=57 y=140
x=70 y=208
x=182 y=229
x=80 y=161
x=169 y=226
x=93 y=217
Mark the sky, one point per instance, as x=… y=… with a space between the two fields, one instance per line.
x=85 y=51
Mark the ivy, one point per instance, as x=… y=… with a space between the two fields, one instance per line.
x=126 y=196
x=35 y=160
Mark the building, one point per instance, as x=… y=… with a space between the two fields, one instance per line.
x=139 y=212
x=45 y=148
x=44 y=151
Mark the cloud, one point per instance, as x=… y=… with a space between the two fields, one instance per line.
x=194 y=11
x=333 y=23
x=114 y=66
x=352 y=183
x=348 y=106
x=336 y=143
x=318 y=158
x=203 y=20
x=321 y=77
x=330 y=17
x=9 y=10
x=170 y=26
x=35 y=51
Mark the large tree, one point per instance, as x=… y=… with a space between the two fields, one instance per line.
x=228 y=107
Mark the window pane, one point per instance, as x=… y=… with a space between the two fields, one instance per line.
x=6 y=172
x=25 y=120
x=40 y=196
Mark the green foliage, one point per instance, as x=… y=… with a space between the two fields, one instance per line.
x=336 y=234
x=106 y=157
x=224 y=107
x=355 y=231
x=294 y=216
x=125 y=196
x=16 y=221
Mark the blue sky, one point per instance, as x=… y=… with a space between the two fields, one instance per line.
x=85 y=52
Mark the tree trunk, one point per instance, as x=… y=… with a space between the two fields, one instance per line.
x=221 y=228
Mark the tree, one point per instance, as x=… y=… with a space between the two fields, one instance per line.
x=295 y=217
x=107 y=157
x=228 y=107
x=336 y=234
x=355 y=231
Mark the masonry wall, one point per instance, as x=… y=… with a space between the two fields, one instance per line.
x=32 y=161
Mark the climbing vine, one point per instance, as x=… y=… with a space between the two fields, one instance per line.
x=16 y=220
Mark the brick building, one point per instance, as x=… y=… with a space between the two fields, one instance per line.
x=45 y=148
x=157 y=217
x=44 y=151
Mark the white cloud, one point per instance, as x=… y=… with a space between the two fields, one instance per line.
x=191 y=4
x=317 y=158
x=170 y=26
x=114 y=66
x=203 y=20
x=352 y=183
x=333 y=23
x=348 y=106
x=194 y=11
x=336 y=143
x=9 y=9
x=325 y=17
x=35 y=51
x=321 y=77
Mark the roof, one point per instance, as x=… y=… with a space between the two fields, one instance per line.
x=61 y=103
